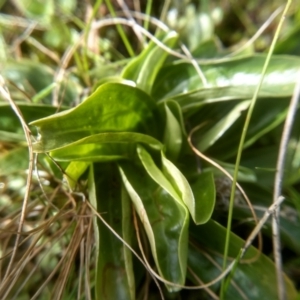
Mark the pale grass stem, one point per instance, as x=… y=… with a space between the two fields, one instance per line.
x=278 y=186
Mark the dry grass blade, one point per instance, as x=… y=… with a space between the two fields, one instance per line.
x=32 y=254
x=71 y=251
x=278 y=185
x=6 y=95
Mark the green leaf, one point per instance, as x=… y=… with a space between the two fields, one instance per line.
x=172 y=135
x=73 y=171
x=267 y=115
x=175 y=108
x=205 y=196
x=156 y=174
x=181 y=186
x=105 y=152
x=234 y=78
x=262 y=162
x=258 y=275
x=103 y=147
x=114 y=269
x=154 y=62
x=165 y=220
x=11 y=127
x=112 y=107
x=209 y=137
x=289 y=219
x=144 y=68
x=244 y=173
x=199 y=198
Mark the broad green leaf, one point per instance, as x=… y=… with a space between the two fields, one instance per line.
x=260 y=275
x=104 y=147
x=114 y=269
x=198 y=197
x=156 y=174
x=153 y=63
x=131 y=71
x=267 y=115
x=74 y=170
x=176 y=184
x=205 y=196
x=215 y=132
x=234 y=78
x=95 y=152
x=192 y=101
x=181 y=186
x=176 y=111
x=165 y=221
x=172 y=135
x=144 y=68
x=127 y=231
x=112 y=107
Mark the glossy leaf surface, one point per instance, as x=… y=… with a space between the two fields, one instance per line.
x=217 y=130
x=165 y=221
x=212 y=237
x=73 y=171
x=267 y=115
x=114 y=270
x=112 y=107
x=144 y=68
x=104 y=147
x=205 y=196
x=234 y=78
x=173 y=134
x=181 y=186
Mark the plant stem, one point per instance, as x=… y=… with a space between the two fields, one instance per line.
x=148 y=13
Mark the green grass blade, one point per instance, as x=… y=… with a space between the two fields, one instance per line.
x=241 y=145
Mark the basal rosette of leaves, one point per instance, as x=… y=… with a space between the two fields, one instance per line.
x=130 y=137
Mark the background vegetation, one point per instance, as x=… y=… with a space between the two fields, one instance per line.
x=121 y=135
